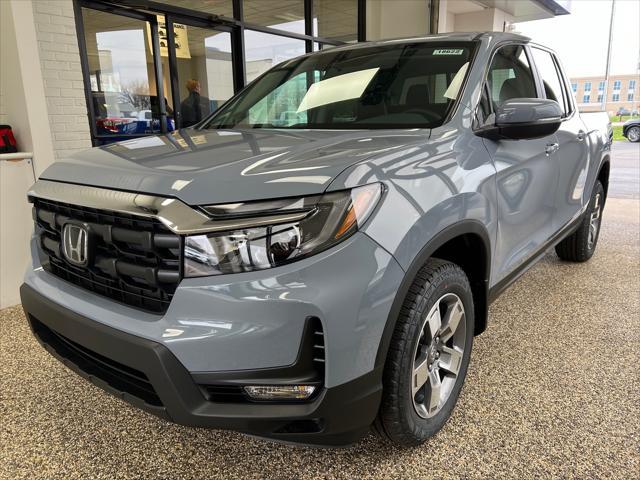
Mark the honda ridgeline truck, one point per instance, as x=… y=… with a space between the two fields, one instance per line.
x=316 y=256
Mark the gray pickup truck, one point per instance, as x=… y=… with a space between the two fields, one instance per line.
x=316 y=257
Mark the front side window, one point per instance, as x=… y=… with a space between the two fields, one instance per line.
x=391 y=86
x=510 y=75
x=550 y=78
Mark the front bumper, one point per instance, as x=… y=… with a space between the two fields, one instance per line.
x=256 y=320
x=146 y=374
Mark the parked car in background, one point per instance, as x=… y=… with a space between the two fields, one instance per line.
x=139 y=123
x=316 y=257
x=631 y=130
x=623 y=111
x=119 y=117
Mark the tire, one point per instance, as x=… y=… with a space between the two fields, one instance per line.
x=409 y=416
x=581 y=244
x=633 y=134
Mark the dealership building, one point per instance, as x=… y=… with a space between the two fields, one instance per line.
x=82 y=73
x=595 y=94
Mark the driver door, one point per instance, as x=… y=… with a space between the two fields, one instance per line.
x=526 y=170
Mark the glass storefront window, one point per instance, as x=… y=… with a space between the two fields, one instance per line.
x=204 y=71
x=123 y=86
x=263 y=51
x=336 y=19
x=123 y=72
x=281 y=14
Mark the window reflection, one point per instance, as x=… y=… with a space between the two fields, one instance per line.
x=204 y=71
x=123 y=87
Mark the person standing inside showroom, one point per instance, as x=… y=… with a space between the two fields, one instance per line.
x=195 y=107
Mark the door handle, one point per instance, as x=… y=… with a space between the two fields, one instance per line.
x=550 y=148
x=580 y=136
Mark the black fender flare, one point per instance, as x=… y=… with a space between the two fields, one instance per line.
x=449 y=233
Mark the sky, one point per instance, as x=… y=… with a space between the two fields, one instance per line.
x=581 y=38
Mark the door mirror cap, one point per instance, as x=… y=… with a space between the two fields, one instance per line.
x=523 y=118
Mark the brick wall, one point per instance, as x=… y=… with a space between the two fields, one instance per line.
x=62 y=74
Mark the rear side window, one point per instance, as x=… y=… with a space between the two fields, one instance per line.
x=550 y=78
x=510 y=75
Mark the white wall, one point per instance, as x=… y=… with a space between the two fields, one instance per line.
x=23 y=107
x=485 y=20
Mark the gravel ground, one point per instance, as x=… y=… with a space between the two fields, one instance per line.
x=552 y=391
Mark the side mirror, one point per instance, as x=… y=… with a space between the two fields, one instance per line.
x=523 y=118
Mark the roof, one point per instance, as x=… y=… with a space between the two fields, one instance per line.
x=453 y=36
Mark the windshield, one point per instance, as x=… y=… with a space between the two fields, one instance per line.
x=389 y=86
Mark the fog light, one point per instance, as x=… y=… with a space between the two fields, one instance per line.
x=280 y=392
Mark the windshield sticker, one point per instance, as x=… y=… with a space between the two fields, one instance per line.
x=449 y=51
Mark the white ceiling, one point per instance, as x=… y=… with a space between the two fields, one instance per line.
x=463 y=6
x=522 y=10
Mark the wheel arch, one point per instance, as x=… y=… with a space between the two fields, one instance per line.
x=603 y=174
x=468 y=245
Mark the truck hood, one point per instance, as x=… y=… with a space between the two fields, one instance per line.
x=220 y=166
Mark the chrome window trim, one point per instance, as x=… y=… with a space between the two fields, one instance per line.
x=176 y=215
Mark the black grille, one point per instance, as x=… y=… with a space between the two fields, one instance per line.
x=118 y=376
x=133 y=260
x=225 y=393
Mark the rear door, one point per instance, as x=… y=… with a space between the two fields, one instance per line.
x=573 y=151
x=527 y=170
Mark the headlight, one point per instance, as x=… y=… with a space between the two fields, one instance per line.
x=278 y=232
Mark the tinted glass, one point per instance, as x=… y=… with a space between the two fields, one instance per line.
x=281 y=14
x=392 y=86
x=510 y=75
x=550 y=77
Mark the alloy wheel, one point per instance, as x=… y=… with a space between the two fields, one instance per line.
x=438 y=355
x=594 y=222
x=634 y=134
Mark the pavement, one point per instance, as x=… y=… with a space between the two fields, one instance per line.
x=553 y=391
x=624 y=179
